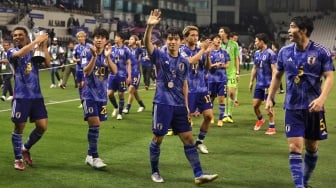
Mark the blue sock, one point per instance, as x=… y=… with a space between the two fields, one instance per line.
x=80 y=89
x=271 y=125
x=128 y=106
x=154 y=153
x=17 y=145
x=201 y=136
x=93 y=135
x=113 y=101
x=260 y=117
x=32 y=139
x=141 y=104
x=190 y=152
x=221 y=111
x=310 y=160
x=295 y=163
x=121 y=105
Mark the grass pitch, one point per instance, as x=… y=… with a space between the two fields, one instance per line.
x=243 y=158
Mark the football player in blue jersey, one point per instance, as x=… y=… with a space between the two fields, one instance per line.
x=28 y=100
x=217 y=77
x=198 y=96
x=171 y=100
x=78 y=49
x=305 y=63
x=119 y=82
x=96 y=64
x=134 y=45
x=264 y=66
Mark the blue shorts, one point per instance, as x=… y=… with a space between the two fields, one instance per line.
x=260 y=93
x=79 y=77
x=302 y=123
x=117 y=83
x=95 y=108
x=135 y=79
x=199 y=101
x=217 y=89
x=32 y=108
x=166 y=116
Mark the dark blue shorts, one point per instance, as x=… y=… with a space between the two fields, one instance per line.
x=135 y=79
x=260 y=93
x=199 y=101
x=217 y=89
x=117 y=83
x=95 y=108
x=32 y=108
x=166 y=116
x=79 y=77
x=302 y=123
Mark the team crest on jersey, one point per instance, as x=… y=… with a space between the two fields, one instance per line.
x=181 y=67
x=17 y=115
x=121 y=52
x=311 y=60
x=183 y=54
x=159 y=126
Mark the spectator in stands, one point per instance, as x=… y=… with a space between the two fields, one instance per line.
x=246 y=58
x=147 y=68
x=70 y=24
x=70 y=65
x=31 y=23
x=51 y=34
x=275 y=47
x=7 y=72
x=56 y=52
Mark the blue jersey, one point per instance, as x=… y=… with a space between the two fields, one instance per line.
x=303 y=73
x=26 y=77
x=120 y=57
x=196 y=72
x=263 y=61
x=171 y=74
x=145 y=61
x=135 y=54
x=95 y=83
x=217 y=74
x=77 y=53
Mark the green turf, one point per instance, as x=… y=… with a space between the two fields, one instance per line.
x=242 y=157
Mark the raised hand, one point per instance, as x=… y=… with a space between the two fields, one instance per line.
x=93 y=50
x=41 y=38
x=108 y=50
x=154 y=17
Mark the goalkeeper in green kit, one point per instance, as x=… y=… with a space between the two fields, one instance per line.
x=232 y=71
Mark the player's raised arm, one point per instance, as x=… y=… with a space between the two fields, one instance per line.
x=154 y=18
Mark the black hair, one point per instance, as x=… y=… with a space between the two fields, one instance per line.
x=277 y=46
x=303 y=22
x=212 y=36
x=226 y=29
x=22 y=29
x=263 y=37
x=101 y=32
x=123 y=36
x=174 y=31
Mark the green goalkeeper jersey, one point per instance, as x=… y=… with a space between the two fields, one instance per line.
x=232 y=49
